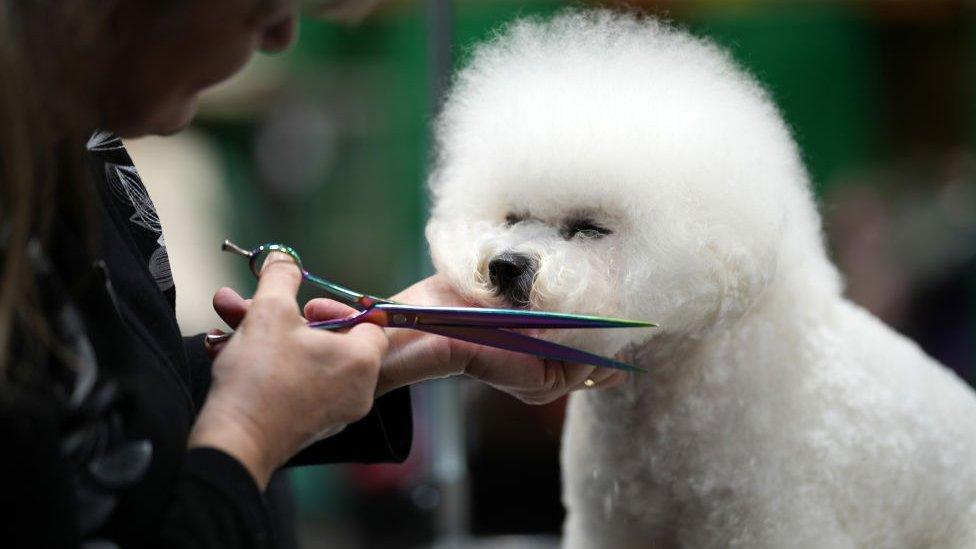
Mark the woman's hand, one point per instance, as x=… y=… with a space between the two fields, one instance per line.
x=415 y=356
x=278 y=386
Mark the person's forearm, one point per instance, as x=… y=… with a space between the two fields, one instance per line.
x=216 y=429
x=413 y=357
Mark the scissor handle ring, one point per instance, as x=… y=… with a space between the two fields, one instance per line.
x=259 y=253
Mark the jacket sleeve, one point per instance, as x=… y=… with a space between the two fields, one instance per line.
x=384 y=435
x=214 y=503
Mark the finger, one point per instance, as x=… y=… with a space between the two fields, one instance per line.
x=280 y=276
x=327 y=309
x=230 y=306
x=360 y=336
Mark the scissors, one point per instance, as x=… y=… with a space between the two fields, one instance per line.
x=490 y=327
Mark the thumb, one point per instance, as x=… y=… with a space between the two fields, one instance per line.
x=230 y=306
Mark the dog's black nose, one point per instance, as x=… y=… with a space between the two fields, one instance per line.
x=512 y=275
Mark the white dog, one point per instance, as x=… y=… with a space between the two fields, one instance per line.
x=605 y=164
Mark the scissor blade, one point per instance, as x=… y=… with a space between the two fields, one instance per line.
x=506 y=318
x=511 y=341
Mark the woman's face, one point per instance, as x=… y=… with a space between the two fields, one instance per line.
x=163 y=54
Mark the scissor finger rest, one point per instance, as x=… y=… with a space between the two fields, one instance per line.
x=372 y=315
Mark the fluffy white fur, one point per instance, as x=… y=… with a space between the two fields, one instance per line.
x=776 y=413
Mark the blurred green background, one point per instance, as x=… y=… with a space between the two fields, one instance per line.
x=326 y=147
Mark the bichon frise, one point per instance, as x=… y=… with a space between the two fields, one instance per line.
x=611 y=165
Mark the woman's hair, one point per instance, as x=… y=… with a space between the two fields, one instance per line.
x=50 y=55
x=46 y=52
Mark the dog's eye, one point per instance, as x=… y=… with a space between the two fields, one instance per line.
x=584 y=228
x=513 y=218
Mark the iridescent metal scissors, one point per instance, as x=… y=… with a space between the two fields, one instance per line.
x=488 y=327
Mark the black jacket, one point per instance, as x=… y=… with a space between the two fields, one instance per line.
x=115 y=466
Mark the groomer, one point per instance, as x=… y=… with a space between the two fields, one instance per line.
x=114 y=428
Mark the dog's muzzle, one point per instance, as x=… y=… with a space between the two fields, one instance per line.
x=512 y=274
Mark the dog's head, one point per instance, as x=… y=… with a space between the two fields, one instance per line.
x=602 y=164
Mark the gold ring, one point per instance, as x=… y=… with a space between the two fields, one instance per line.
x=589 y=383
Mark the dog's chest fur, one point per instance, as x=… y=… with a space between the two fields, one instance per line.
x=768 y=433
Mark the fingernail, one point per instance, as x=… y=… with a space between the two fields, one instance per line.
x=275 y=257
x=212 y=346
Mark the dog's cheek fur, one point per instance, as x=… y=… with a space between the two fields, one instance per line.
x=582 y=278
x=741 y=275
x=458 y=250
x=687 y=276
x=573 y=279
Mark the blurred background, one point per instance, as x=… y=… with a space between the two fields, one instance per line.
x=326 y=147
